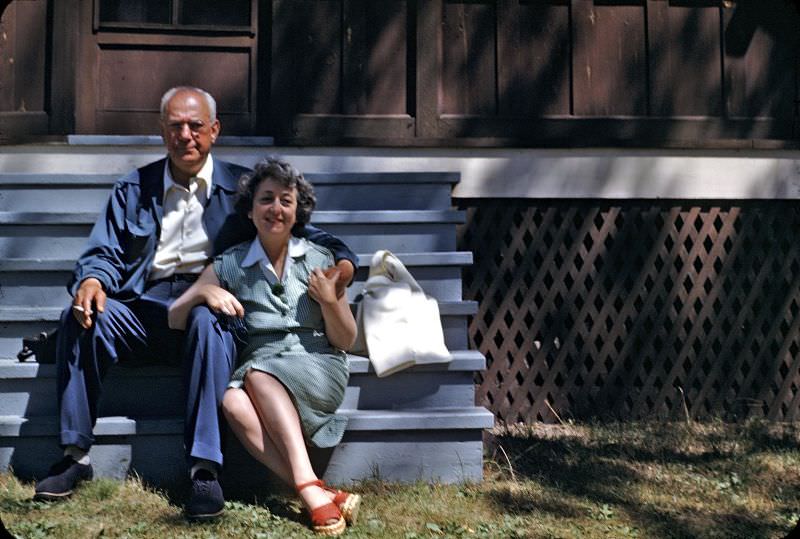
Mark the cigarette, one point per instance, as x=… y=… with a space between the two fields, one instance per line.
x=79 y=309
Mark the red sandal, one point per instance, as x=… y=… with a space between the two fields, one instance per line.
x=347 y=502
x=324 y=514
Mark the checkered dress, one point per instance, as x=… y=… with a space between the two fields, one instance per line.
x=286 y=338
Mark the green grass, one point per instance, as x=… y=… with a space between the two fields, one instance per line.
x=646 y=480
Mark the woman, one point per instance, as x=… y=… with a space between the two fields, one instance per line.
x=293 y=371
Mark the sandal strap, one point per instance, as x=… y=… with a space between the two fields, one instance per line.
x=324 y=513
x=339 y=496
x=315 y=483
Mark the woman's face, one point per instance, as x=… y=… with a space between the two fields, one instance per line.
x=274 y=209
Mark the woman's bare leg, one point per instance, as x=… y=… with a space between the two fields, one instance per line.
x=246 y=424
x=278 y=415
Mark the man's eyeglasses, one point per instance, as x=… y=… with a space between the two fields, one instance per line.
x=194 y=127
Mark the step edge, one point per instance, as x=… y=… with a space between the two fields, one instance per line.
x=414 y=259
x=453 y=418
x=463 y=361
x=52 y=314
x=316 y=178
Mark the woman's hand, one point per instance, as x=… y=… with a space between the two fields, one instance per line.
x=340 y=327
x=206 y=289
x=322 y=286
x=220 y=300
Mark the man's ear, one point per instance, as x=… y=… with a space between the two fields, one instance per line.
x=215 y=129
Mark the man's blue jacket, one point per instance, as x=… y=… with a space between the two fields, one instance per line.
x=123 y=241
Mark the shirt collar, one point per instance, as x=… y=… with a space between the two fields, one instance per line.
x=205 y=175
x=256 y=255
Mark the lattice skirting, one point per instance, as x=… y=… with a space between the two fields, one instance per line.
x=635 y=309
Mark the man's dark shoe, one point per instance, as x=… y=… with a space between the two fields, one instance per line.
x=206 y=502
x=62 y=478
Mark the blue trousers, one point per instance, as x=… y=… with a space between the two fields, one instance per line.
x=136 y=332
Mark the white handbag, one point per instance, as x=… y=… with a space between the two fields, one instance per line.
x=398 y=325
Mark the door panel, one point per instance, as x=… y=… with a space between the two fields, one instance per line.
x=137 y=50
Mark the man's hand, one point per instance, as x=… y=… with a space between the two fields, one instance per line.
x=89 y=298
x=343 y=273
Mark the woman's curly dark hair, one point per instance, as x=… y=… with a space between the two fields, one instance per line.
x=273 y=168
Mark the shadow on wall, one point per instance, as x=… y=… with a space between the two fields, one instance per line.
x=602 y=67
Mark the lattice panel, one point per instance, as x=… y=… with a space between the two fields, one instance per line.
x=631 y=310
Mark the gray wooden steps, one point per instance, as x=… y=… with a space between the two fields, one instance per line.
x=421 y=423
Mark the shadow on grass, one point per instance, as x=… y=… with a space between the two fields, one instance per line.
x=585 y=468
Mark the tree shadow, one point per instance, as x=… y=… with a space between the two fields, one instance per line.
x=611 y=472
x=539 y=74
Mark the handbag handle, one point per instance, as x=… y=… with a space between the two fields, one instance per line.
x=393 y=269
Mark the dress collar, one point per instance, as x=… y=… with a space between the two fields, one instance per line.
x=256 y=255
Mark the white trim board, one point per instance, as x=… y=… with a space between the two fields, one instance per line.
x=485 y=173
x=592 y=174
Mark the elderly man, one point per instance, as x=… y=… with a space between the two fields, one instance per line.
x=162 y=224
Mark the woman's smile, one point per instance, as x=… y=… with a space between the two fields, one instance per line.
x=274 y=208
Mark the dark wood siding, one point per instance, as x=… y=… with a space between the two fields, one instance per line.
x=419 y=72
x=685 y=39
x=610 y=60
x=340 y=69
x=760 y=61
x=534 y=50
x=127 y=97
x=23 y=68
x=468 y=85
x=544 y=72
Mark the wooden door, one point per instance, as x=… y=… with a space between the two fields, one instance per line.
x=131 y=51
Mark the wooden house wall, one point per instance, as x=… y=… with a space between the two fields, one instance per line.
x=539 y=72
x=425 y=72
x=23 y=64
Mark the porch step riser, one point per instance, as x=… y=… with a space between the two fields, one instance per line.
x=123 y=392
x=407 y=456
x=62 y=198
x=48 y=289
x=67 y=242
x=11 y=333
